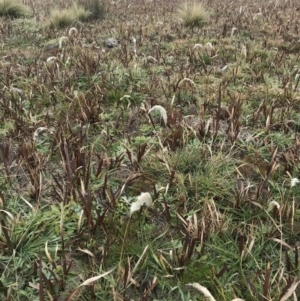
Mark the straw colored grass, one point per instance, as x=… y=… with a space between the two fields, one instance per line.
x=193 y=14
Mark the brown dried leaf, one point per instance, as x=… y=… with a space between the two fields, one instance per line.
x=290 y=291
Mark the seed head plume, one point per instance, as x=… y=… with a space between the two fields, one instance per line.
x=37 y=132
x=143 y=199
x=203 y=290
x=51 y=59
x=72 y=31
x=272 y=205
x=162 y=112
x=61 y=40
x=294 y=182
x=244 y=51
x=233 y=30
x=197 y=46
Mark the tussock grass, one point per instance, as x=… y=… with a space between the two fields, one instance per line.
x=193 y=14
x=96 y=7
x=66 y=17
x=13 y=8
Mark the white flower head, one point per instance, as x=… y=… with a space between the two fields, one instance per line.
x=61 y=41
x=198 y=46
x=68 y=62
x=224 y=69
x=233 y=30
x=244 y=51
x=51 y=59
x=207 y=294
x=272 y=205
x=186 y=80
x=133 y=41
x=38 y=131
x=135 y=206
x=143 y=199
x=209 y=45
x=162 y=112
x=72 y=31
x=294 y=182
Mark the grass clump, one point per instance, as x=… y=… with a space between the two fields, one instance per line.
x=96 y=7
x=66 y=17
x=12 y=8
x=192 y=14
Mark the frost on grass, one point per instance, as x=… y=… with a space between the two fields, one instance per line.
x=143 y=199
x=162 y=111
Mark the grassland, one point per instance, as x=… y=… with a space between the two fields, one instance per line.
x=219 y=154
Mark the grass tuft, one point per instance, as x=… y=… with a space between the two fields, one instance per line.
x=12 y=8
x=192 y=14
x=66 y=17
x=96 y=7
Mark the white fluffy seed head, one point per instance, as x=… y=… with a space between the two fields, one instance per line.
x=51 y=59
x=135 y=206
x=294 y=182
x=209 y=45
x=207 y=294
x=197 y=46
x=161 y=110
x=272 y=205
x=144 y=199
x=244 y=51
x=38 y=131
x=233 y=30
x=186 y=79
x=133 y=41
x=72 y=31
x=61 y=41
